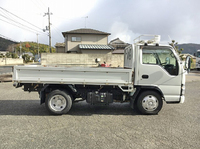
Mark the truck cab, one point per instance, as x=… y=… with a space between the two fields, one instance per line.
x=198 y=60
x=158 y=73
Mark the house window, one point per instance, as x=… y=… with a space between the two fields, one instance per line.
x=74 y=39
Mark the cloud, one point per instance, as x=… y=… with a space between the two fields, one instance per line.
x=122 y=31
x=179 y=19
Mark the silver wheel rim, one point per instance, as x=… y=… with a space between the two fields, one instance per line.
x=150 y=103
x=57 y=103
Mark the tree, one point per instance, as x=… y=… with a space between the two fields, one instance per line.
x=26 y=58
x=33 y=48
x=14 y=55
x=174 y=45
x=11 y=48
x=8 y=55
x=27 y=45
x=2 y=56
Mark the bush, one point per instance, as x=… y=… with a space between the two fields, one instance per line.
x=26 y=58
x=1 y=56
x=9 y=55
x=14 y=55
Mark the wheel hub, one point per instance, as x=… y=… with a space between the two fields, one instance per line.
x=150 y=103
x=57 y=103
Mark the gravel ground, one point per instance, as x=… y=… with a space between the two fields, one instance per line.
x=24 y=123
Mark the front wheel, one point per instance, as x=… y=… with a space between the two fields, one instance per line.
x=58 y=102
x=149 y=102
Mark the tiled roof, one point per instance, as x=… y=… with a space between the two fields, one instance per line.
x=60 y=45
x=85 y=31
x=118 y=51
x=95 y=47
x=117 y=41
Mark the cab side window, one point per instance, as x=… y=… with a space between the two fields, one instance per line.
x=148 y=57
x=163 y=57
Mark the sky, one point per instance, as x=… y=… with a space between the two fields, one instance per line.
x=179 y=20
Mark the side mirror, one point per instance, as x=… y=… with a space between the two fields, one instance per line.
x=188 y=63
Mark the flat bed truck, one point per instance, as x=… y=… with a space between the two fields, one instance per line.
x=152 y=73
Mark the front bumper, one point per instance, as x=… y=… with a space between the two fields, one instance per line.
x=182 y=99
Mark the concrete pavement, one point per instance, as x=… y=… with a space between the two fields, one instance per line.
x=24 y=123
x=193 y=76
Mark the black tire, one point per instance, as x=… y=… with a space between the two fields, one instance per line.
x=58 y=102
x=149 y=102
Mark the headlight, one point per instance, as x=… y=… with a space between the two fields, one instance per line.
x=182 y=89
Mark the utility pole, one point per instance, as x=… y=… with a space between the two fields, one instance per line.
x=37 y=47
x=49 y=31
x=20 y=50
x=48 y=28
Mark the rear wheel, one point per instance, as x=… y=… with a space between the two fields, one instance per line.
x=58 y=102
x=149 y=102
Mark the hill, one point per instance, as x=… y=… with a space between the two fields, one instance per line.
x=32 y=47
x=5 y=43
x=190 y=48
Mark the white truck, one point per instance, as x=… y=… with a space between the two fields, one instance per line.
x=152 y=73
x=198 y=60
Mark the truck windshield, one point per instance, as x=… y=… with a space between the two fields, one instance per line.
x=161 y=56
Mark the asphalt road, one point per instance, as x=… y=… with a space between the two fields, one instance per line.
x=24 y=123
x=5 y=69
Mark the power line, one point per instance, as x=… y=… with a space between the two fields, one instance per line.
x=20 y=25
x=21 y=18
x=25 y=27
x=36 y=4
x=8 y=38
x=42 y=4
x=13 y=19
x=17 y=26
x=57 y=31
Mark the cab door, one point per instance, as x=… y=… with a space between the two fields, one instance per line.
x=159 y=67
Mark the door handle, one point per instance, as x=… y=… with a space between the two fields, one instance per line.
x=145 y=76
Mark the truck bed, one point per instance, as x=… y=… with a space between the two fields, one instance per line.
x=72 y=75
